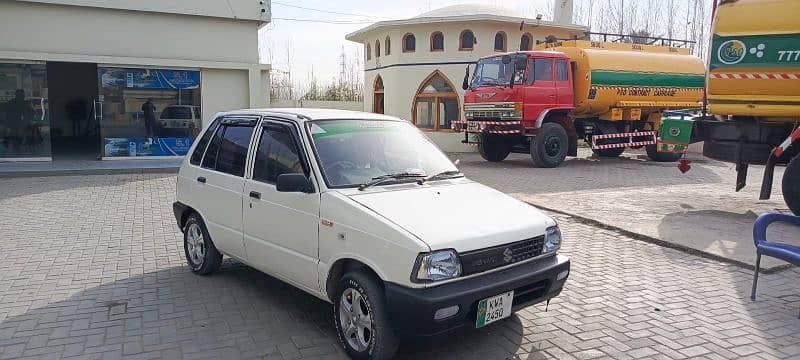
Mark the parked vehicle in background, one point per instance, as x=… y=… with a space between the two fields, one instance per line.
x=753 y=93
x=609 y=93
x=180 y=120
x=363 y=211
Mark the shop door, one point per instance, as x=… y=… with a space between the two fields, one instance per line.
x=73 y=93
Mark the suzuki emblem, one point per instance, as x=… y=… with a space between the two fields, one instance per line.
x=508 y=255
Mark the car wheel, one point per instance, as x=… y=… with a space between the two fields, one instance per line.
x=201 y=254
x=790 y=185
x=655 y=155
x=549 y=147
x=362 y=324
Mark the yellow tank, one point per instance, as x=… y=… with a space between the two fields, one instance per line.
x=622 y=81
x=754 y=65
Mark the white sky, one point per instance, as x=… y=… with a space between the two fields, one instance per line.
x=318 y=46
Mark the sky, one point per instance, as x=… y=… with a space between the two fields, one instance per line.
x=317 y=47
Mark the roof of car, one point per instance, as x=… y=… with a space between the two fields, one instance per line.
x=307 y=114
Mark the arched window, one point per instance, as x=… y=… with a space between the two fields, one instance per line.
x=409 y=43
x=437 y=41
x=526 y=42
x=500 y=41
x=388 y=46
x=466 y=41
x=436 y=103
x=377 y=98
x=369 y=52
x=377 y=48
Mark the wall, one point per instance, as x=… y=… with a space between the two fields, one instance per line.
x=223 y=90
x=239 y=9
x=30 y=27
x=341 y=105
x=402 y=82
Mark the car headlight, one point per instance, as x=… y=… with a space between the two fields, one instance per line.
x=436 y=266
x=552 y=239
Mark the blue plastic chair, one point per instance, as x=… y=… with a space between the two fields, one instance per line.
x=785 y=252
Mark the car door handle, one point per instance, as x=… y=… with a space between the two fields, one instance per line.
x=255 y=195
x=551 y=96
x=201 y=179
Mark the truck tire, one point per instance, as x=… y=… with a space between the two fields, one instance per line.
x=654 y=155
x=549 y=147
x=493 y=148
x=791 y=185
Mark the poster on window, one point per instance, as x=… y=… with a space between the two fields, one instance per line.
x=154 y=79
x=146 y=146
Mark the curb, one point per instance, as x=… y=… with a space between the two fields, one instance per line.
x=74 y=172
x=666 y=244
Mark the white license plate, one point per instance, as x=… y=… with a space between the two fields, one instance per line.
x=494 y=308
x=472 y=126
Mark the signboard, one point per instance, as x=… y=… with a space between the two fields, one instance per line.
x=154 y=79
x=146 y=146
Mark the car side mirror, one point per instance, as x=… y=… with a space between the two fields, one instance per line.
x=294 y=183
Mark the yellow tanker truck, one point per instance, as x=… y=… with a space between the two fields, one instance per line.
x=753 y=94
x=611 y=94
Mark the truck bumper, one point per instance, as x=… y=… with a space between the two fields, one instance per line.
x=741 y=140
x=412 y=310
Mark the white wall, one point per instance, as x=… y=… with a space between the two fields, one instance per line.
x=223 y=90
x=240 y=9
x=341 y=105
x=43 y=28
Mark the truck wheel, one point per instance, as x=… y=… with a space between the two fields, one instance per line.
x=791 y=185
x=361 y=319
x=654 y=155
x=493 y=148
x=549 y=147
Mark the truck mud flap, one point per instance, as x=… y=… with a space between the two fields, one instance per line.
x=769 y=171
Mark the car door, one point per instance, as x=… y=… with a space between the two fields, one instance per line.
x=281 y=228
x=540 y=94
x=222 y=182
x=564 y=88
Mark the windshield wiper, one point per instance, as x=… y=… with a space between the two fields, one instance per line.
x=449 y=174
x=384 y=178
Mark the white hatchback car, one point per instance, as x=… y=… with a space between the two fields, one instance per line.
x=363 y=211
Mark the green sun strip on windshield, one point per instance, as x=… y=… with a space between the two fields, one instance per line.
x=328 y=129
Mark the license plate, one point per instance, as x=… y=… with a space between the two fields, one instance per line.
x=494 y=308
x=472 y=126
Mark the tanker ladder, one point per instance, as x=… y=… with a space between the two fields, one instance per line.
x=635 y=139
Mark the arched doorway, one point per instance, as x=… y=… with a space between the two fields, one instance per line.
x=377 y=98
x=436 y=103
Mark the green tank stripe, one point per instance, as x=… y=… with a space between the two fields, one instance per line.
x=631 y=78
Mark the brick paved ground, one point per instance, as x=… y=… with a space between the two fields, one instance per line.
x=92 y=267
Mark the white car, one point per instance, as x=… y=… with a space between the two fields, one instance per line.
x=180 y=118
x=365 y=212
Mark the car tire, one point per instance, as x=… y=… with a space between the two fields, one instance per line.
x=655 y=155
x=790 y=185
x=549 y=147
x=363 y=330
x=201 y=254
x=493 y=148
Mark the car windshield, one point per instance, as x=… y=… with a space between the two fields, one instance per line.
x=491 y=71
x=355 y=152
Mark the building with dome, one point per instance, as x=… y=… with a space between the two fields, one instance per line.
x=414 y=67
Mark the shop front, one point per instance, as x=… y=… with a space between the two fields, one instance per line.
x=82 y=110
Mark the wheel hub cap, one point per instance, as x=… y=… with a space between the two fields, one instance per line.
x=195 y=245
x=355 y=319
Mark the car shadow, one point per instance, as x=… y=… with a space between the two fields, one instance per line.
x=236 y=312
x=24 y=186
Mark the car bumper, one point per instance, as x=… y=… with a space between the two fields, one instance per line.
x=412 y=310
x=179 y=209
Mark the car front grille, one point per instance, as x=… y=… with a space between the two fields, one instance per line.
x=489 y=258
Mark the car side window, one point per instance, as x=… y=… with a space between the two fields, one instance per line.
x=200 y=149
x=543 y=69
x=233 y=146
x=210 y=158
x=561 y=70
x=278 y=153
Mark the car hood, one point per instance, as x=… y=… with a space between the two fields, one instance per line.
x=461 y=215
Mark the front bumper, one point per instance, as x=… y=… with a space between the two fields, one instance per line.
x=411 y=310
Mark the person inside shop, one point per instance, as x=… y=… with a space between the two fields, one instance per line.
x=149 y=111
x=19 y=118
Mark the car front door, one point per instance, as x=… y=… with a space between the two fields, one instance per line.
x=221 y=181
x=540 y=94
x=281 y=228
x=564 y=88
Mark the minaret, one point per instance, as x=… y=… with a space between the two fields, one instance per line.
x=562 y=12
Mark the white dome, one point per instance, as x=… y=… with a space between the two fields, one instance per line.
x=470 y=9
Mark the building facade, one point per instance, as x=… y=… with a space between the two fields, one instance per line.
x=414 y=68
x=118 y=78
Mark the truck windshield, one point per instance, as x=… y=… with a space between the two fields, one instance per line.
x=355 y=152
x=491 y=71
